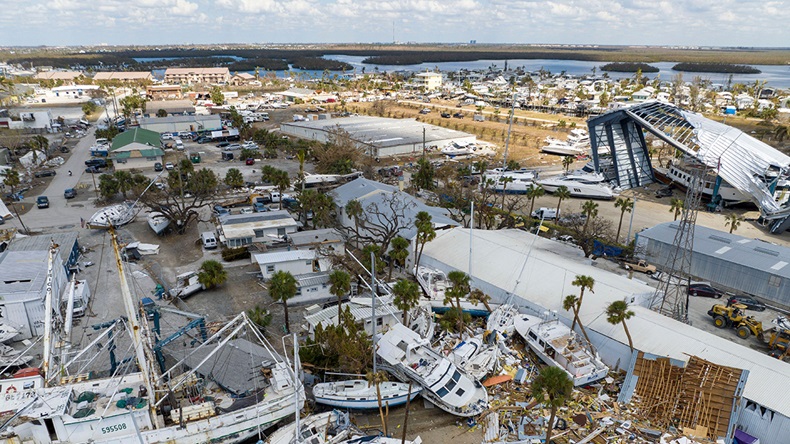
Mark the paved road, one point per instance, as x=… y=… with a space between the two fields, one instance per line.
x=65 y=214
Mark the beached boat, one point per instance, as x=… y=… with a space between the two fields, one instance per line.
x=224 y=389
x=680 y=174
x=410 y=358
x=475 y=357
x=323 y=428
x=359 y=394
x=458 y=149
x=7 y=332
x=556 y=345
x=502 y=319
x=434 y=284
x=113 y=215
x=158 y=222
x=580 y=184
x=561 y=148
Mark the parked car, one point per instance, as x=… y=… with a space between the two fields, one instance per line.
x=42 y=202
x=704 y=289
x=249 y=161
x=446 y=115
x=219 y=210
x=233 y=146
x=425 y=111
x=750 y=302
x=45 y=173
x=158 y=166
x=641 y=266
x=96 y=162
x=70 y=193
x=664 y=192
x=93 y=170
x=458 y=115
x=223 y=144
x=169 y=166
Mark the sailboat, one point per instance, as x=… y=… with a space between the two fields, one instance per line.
x=359 y=394
x=113 y=216
x=158 y=222
x=324 y=428
x=192 y=402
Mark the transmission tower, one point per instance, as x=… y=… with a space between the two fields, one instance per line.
x=671 y=291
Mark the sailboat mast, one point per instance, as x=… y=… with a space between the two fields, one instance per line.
x=47 y=361
x=509 y=128
x=373 y=305
x=134 y=324
x=471 y=229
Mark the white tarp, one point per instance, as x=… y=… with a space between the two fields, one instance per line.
x=4 y=213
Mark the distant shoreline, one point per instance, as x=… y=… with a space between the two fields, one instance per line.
x=392 y=55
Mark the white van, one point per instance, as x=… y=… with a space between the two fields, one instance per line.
x=179 y=145
x=209 y=240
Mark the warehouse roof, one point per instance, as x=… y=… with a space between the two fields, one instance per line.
x=136 y=135
x=23 y=271
x=742 y=251
x=179 y=119
x=551 y=267
x=123 y=75
x=65 y=240
x=383 y=132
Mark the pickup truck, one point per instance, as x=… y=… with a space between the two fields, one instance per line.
x=641 y=266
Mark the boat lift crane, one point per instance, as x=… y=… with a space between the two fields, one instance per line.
x=153 y=311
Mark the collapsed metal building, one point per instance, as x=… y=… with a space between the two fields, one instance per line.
x=742 y=161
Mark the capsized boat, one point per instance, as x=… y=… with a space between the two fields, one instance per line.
x=558 y=346
x=359 y=394
x=475 y=357
x=434 y=284
x=113 y=215
x=561 y=148
x=158 y=222
x=410 y=358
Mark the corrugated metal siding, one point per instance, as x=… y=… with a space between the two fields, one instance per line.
x=771 y=427
x=15 y=314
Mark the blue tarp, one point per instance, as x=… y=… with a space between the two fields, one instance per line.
x=742 y=437
x=600 y=249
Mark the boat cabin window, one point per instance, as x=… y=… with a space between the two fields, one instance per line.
x=456 y=376
x=532 y=335
x=451 y=385
x=460 y=392
x=442 y=392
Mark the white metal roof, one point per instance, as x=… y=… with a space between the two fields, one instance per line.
x=499 y=257
x=284 y=256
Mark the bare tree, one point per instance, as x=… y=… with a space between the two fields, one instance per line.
x=382 y=221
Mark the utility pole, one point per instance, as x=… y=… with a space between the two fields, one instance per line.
x=373 y=304
x=509 y=128
x=423 y=142
x=631 y=222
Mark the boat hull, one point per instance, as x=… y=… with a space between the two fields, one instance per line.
x=368 y=403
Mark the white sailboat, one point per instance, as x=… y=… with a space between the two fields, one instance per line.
x=410 y=358
x=113 y=215
x=558 y=346
x=359 y=394
x=502 y=319
x=158 y=222
x=434 y=284
x=136 y=404
x=324 y=428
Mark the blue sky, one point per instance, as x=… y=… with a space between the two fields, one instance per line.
x=612 y=22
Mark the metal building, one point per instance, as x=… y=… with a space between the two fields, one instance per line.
x=747 y=265
x=539 y=272
x=379 y=136
x=748 y=165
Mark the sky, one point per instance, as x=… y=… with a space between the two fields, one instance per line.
x=756 y=23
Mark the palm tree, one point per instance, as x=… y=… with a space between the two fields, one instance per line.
x=340 y=285
x=282 y=287
x=676 y=205
x=212 y=274
x=477 y=296
x=12 y=181
x=504 y=180
x=583 y=282
x=626 y=205
x=460 y=287
x=260 y=317
x=282 y=182
x=589 y=209
x=425 y=233
x=399 y=251
x=354 y=211
x=567 y=161
x=42 y=143
x=733 y=221
x=562 y=193
x=533 y=192
x=552 y=386
x=377 y=378
x=617 y=313
x=407 y=296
